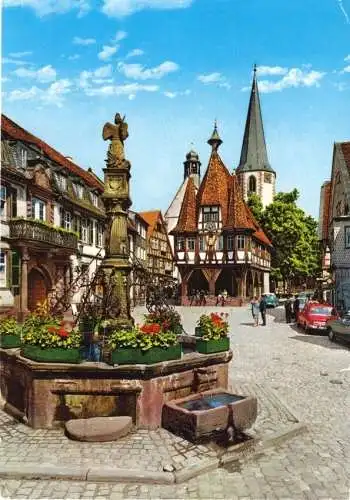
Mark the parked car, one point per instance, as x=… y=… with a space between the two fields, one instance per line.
x=270 y=299
x=339 y=328
x=314 y=316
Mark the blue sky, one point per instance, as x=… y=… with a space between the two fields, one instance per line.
x=173 y=66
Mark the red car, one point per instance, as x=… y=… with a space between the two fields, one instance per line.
x=314 y=316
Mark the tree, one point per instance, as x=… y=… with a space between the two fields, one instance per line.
x=294 y=237
x=256 y=206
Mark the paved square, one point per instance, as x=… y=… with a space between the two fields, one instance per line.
x=309 y=373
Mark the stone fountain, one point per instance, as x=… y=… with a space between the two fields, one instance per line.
x=48 y=394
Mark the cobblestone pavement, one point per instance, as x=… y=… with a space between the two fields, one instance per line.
x=310 y=374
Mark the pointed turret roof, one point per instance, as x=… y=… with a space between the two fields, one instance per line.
x=254 y=153
x=215 y=140
x=187 y=221
x=237 y=216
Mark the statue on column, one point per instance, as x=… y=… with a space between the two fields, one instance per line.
x=117 y=134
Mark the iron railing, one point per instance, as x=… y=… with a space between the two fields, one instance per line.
x=32 y=230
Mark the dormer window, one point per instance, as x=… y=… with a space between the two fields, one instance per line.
x=23 y=158
x=61 y=181
x=78 y=189
x=210 y=214
x=94 y=199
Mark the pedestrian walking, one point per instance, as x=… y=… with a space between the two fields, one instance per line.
x=262 y=308
x=288 y=309
x=202 y=299
x=255 y=310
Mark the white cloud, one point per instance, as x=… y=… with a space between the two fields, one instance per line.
x=21 y=54
x=54 y=94
x=45 y=7
x=16 y=62
x=172 y=95
x=214 y=78
x=97 y=76
x=83 y=41
x=295 y=77
x=121 y=8
x=120 y=35
x=139 y=72
x=271 y=70
x=130 y=90
x=347 y=58
x=135 y=53
x=107 y=52
x=342 y=8
x=346 y=69
x=43 y=75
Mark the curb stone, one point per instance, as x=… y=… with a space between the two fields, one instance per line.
x=109 y=474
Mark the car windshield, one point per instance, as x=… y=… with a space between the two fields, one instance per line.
x=326 y=311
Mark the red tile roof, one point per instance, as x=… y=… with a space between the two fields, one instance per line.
x=151 y=218
x=238 y=217
x=187 y=221
x=15 y=132
x=215 y=185
x=345 y=147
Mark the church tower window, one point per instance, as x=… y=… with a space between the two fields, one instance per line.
x=252 y=184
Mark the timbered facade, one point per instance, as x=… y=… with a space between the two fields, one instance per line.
x=218 y=244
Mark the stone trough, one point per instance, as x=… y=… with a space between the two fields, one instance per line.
x=202 y=415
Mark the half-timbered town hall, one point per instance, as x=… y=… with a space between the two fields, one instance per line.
x=218 y=245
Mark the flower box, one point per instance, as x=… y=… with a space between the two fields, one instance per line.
x=209 y=346
x=198 y=331
x=51 y=354
x=10 y=341
x=135 y=356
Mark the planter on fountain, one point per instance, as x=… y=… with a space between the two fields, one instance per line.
x=210 y=346
x=51 y=354
x=129 y=356
x=10 y=341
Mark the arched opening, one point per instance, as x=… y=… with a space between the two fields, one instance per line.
x=38 y=288
x=226 y=281
x=252 y=184
x=197 y=281
x=249 y=285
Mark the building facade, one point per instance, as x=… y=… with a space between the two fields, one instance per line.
x=137 y=228
x=52 y=222
x=160 y=260
x=334 y=226
x=218 y=244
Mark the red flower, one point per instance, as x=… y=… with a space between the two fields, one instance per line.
x=52 y=329
x=62 y=333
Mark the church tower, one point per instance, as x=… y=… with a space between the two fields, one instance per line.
x=192 y=167
x=254 y=172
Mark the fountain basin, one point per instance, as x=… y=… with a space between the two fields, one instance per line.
x=202 y=415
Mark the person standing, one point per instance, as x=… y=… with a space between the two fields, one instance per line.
x=262 y=308
x=296 y=305
x=255 y=310
x=288 y=309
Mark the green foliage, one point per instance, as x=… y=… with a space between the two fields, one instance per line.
x=256 y=206
x=294 y=237
x=46 y=331
x=213 y=326
x=9 y=326
x=48 y=225
x=168 y=318
x=138 y=339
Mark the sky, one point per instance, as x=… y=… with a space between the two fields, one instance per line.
x=173 y=67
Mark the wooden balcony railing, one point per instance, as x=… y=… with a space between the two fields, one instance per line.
x=32 y=230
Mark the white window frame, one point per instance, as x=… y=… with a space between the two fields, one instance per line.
x=84 y=230
x=180 y=244
x=38 y=209
x=210 y=214
x=67 y=220
x=23 y=157
x=94 y=199
x=78 y=189
x=191 y=244
x=3 y=265
x=3 y=202
x=230 y=242
x=240 y=242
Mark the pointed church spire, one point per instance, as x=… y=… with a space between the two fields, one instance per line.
x=254 y=153
x=215 y=139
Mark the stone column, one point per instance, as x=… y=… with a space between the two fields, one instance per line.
x=24 y=282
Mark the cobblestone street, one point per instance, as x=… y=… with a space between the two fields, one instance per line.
x=309 y=374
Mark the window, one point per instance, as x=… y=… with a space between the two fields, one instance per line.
x=91 y=232
x=240 y=242
x=84 y=231
x=347 y=236
x=15 y=272
x=210 y=214
x=23 y=158
x=180 y=244
x=191 y=244
x=13 y=201
x=61 y=181
x=94 y=199
x=78 y=189
x=252 y=184
x=220 y=243
x=230 y=243
x=3 y=201
x=2 y=268
x=154 y=244
x=202 y=244
x=268 y=178
x=99 y=235
x=67 y=220
x=38 y=209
